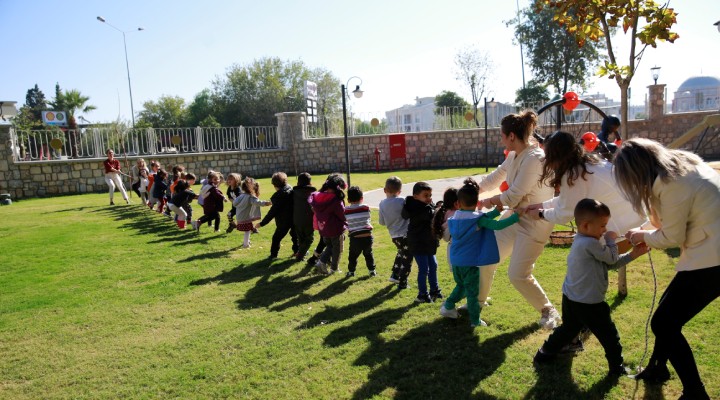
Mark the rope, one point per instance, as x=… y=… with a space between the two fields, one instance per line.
x=652 y=307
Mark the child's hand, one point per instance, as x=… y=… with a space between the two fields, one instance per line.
x=520 y=211
x=639 y=250
x=611 y=235
x=257 y=226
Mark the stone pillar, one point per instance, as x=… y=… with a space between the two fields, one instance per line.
x=291 y=132
x=656 y=101
x=9 y=173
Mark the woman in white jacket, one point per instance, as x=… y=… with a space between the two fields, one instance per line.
x=523 y=241
x=580 y=175
x=684 y=192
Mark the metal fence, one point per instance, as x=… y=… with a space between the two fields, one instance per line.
x=56 y=144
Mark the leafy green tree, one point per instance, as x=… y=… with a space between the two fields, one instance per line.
x=594 y=20
x=452 y=102
x=72 y=102
x=30 y=114
x=552 y=53
x=209 y=122
x=533 y=93
x=167 y=112
x=474 y=68
x=202 y=107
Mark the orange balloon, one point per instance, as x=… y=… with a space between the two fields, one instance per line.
x=571 y=101
x=506 y=152
x=618 y=142
x=590 y=141
x=504 y=186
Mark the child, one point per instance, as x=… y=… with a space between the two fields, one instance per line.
x=247 y=207
x=159 y=190
x=585 y=285
x=473 y=246
x=423 y=245
x=154 y=168
x=205 y=185
x=303 y=215
x=321 y=243
x=143 y=187
x=190 y=179
x=329 y=207
x=232 y=193
x=359 y=231
x=179 y=201
x=445 y=210
x=390 y=209
x=281 y=211
x=135 y=173
x=212 y=204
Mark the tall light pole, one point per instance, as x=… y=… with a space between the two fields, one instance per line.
x=358 y=94
x=127 y=65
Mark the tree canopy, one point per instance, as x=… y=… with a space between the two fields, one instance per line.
x=532 y=94
x=474 y=69
x=167 y=112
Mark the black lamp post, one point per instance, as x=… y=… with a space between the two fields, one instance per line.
x=358 y=94
x=127 y=65
x=655 y=73
x=485 y=117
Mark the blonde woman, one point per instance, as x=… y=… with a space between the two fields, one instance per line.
x=524 y=241
x=684 y=194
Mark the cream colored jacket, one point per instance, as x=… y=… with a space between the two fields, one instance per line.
x=689 y=212
x=522 y=172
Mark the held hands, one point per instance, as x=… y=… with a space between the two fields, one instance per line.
x=639 y=250
x=533 y=213
x=635 y=236
x=611 y=235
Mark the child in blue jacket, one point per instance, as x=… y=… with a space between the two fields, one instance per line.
x=473 y=246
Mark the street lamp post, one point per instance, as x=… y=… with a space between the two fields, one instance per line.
x=485 y=117
x=358 y=94
x=127 y=65
x=655 y=73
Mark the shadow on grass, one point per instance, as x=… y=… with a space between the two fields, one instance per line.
x=336 y=314
x=268 y=290
x=435 y=360
x=337 y=287
x=555 y=381
x=246 y=272
x=209 y=256
x=145 y=222
x=76 y=209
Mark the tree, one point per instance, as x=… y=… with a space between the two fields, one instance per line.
x=252 y=94
x=202 y=107
x=71 y=101
x=30 y=114
x=533 y=93
x=552 y=53
x=452 y=101
x=594 y=20
x=167 y=112
x=474 y=69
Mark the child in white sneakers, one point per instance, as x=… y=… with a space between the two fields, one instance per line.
x=473 y=246
x=390 y=210
x=247 y=208
x=585 y=285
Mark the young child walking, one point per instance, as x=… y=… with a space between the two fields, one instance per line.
x=359 y=231
x=419 y=210
x=329 y=207
x=473 y=247
x=303 y=215
x=247 y=208
x=159 y=191
x=585 y=286
x=445 y=210
x=143 y=187
x=212 y=204
x=281 y=211
x=154 y=168
x=390 y=216
x=232 y=193
x=179 y=201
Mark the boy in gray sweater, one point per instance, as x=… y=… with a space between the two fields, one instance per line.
x=585 y=285
x=390 y=209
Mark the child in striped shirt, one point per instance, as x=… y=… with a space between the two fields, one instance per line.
x=359 y=231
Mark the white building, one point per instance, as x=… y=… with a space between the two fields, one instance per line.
x=412 y=118
x=696 y=94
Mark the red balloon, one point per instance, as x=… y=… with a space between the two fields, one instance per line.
x=506 y=152
x=571 y=101
x=618 y=142
x=504 y=186
x=590 y=141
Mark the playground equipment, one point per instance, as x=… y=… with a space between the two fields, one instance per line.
x=708 y=123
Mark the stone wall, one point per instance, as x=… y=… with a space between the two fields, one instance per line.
x=459 y=148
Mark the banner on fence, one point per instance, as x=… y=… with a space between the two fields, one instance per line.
x=54 y=118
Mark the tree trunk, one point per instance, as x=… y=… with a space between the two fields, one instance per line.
x=622 y=271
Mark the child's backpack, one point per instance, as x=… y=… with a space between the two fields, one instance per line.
x=204 y=192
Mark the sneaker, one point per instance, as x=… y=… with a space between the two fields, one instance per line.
x=402 y=285
x=574 y=347
x=230 y=228
x=656 y=374
x=195 y=225
x=423 y=298
x=550 y=318
x=482 y=323
x=321 y=268
x=334 y=271
x=349 y=274
x=393 y=278
x=112 y=203
x=619 y=370
x=483 y=304
x=434 y=295
x=245 y=246
x=312 y=261
x=447 y=313
x=372 y=273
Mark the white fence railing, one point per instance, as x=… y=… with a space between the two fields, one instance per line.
x=56 y=144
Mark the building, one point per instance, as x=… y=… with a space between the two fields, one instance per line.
x=412 y=118
x=697 y=93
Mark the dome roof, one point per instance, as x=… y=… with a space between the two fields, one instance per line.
x=699 y=82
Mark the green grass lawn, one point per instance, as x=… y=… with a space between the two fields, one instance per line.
x=116 y=302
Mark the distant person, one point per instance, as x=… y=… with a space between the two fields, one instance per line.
x=684 y=192
x=390 y=210
x=212 y=205
x=359 y=231
x=143 y=187
x=585 y=286
x=303 y=215
x=112 y=176
x=281 y=211
x=609 y=137
x=233 y=192
x=135 y=175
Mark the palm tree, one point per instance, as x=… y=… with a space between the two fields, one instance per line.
x=71 y=101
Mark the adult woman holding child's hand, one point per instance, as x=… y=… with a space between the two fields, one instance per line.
x=524 y=241
x=682 y=192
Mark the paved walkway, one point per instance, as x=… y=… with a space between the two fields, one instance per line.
x=373 y=197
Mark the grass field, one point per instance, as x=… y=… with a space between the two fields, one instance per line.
x=116 y=302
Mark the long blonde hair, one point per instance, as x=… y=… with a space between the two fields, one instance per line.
x=640 y=161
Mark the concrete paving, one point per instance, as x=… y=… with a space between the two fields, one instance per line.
x=373 y=197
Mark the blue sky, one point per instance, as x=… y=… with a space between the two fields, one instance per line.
x=400 y=49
